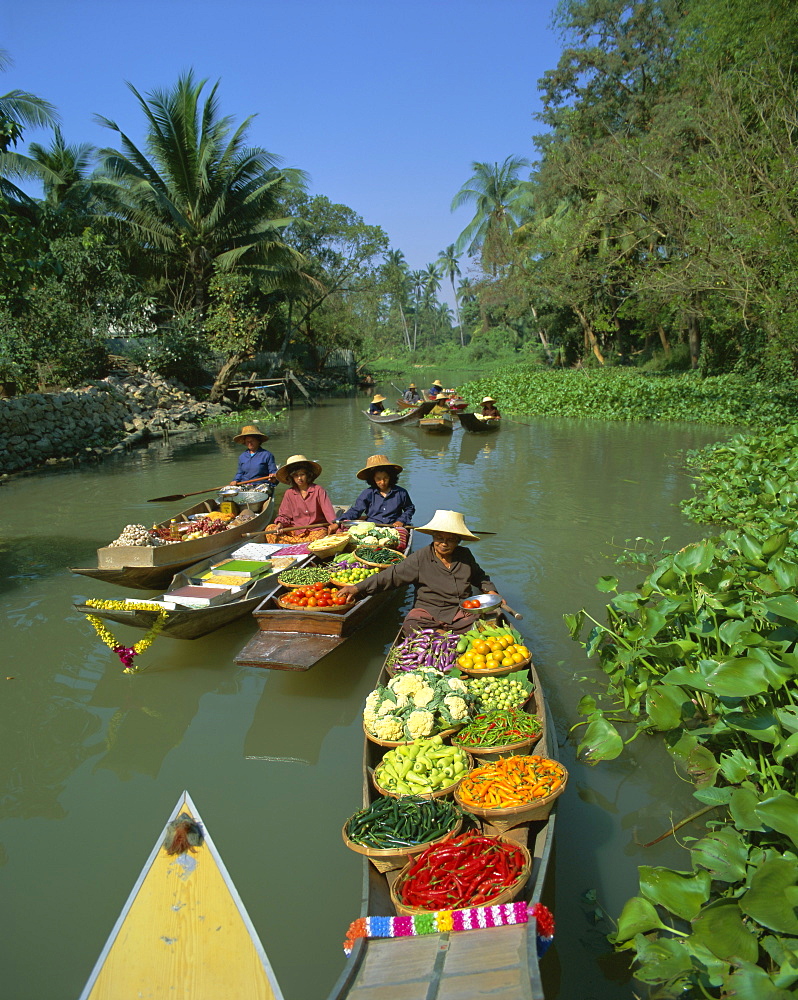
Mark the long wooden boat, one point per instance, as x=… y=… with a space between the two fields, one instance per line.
x=472 y=423
x=192 y=623
x=411 y=413
x=438 y=424
x=297 y=638
x=501 y=961
x=151 y=567
x=184 y=931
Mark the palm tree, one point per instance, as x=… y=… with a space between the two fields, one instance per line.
x=501 y=200
x=20 y=110
x=67 y=169
x=199 y=199
x=395 y=273
x=449 y=263
x=417 y=283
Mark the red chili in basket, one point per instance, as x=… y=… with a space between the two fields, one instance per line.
x=464 y=870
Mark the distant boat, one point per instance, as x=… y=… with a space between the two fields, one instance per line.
x=471 y=422
x=439 y=423
x=410 y=413
x=184 y=931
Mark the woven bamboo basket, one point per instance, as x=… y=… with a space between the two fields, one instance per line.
x=390 y=744
x=380 y=565
x=337 y=608
x=295 y=586
x=326 y=548
x=390 y=860
x=437 y=794
x=503 y=820
x=505 y=896
x=485 y=754
x=495 y=671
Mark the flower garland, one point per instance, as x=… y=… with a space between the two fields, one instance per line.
x=470 y=919
x=126 y=653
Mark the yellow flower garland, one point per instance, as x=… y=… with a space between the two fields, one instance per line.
x=126 y=653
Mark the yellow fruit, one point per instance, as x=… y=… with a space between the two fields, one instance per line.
x=508 y=661
x=480 y=646
x=466 y=660
x=517 y=658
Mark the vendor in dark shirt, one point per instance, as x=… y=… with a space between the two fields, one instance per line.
x=255 y=462
x=435 y=389
x=489 y=408
x=375 y=406
x=411 y=395
x=383 y=502
x=443 y=573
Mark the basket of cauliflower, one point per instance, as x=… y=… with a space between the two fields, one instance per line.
x=414 y=705
x=375 y=535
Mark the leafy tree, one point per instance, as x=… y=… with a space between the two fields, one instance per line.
x=448 y=262
x=197 y=198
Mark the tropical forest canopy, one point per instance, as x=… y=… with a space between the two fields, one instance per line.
x=651 y=222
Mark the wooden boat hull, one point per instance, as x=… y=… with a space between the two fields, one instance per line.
x=437 y=425
x=411 y=413
x=192 y=623
x=297 y=640
x=184 y=932
x=471 y=965
x=145 y=567
x=473 y=424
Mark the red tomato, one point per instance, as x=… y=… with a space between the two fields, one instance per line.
x=312 y=602
x=318 y=586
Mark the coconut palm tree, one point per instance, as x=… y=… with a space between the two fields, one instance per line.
x=449 y=264
x=501 y=199
x=197 y=198
x=20 y=110
x=66 y=181
x=398 y=280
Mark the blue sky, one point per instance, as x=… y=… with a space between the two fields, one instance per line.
x=385 y=104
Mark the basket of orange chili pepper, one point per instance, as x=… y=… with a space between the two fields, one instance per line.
x=468 y=870
x=512 y=789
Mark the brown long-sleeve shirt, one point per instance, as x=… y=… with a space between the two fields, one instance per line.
x=438 y=590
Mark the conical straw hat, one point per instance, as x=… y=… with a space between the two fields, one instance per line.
x=450 y=521
x=379 y=399
x=250 y=431
x=377 y=462
x=438 y=382
x=283 y=472
x=488 y=399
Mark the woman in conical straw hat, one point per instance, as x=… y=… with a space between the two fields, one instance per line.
x=435 y=389
x=303 y=503
x=255 y=462
x=489 y=408
x=383 y=501
x=443 y=573
x=375 y=406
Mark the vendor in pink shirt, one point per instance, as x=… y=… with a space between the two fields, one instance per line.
x=304 y=502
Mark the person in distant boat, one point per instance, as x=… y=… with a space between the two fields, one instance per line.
x=411 y=394
x=443 y=574
x=375 y=406
x=435 y=389
x=256 y=462
x=383 y=501
x=304 y=502
x=489 y=410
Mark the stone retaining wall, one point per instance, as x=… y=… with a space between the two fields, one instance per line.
x=107 y=415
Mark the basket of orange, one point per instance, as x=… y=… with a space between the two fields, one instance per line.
x=493 y=650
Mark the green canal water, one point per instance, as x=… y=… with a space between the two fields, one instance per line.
x=93 y=760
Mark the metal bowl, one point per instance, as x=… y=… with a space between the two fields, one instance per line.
x=487 y=603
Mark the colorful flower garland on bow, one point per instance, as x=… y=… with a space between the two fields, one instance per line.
x=126 y=653
x=471 y=919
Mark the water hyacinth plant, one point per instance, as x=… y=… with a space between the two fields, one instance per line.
x=704 y=652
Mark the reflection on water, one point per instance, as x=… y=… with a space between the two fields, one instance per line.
x=92 y=760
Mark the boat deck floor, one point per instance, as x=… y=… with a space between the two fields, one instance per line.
x=464 y=966
x=287 y=650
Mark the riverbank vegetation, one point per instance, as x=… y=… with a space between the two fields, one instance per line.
x=652 y=224
x=703 y=652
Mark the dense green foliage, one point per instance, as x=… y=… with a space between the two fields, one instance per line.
x=704 y=652
x=626 y=394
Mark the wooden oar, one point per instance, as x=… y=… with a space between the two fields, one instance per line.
x=510 y=611
x=211 y=489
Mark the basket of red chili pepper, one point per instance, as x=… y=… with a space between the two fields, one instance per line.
x=467 y=870
x=512 y=790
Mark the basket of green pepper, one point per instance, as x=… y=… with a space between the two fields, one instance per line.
x=390 y=831
x=501 y=732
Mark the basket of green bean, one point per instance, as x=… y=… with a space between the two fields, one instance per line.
x=390 y=830
x=302 y=576
x=382 y=557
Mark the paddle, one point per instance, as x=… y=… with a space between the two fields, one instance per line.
x=182 y=496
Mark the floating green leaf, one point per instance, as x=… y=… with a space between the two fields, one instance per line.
x=723 y=853
x=637 y=917
x=720 y=928
x=601 y=741
x=683 y=893
x=780 y=812
x=773 y=896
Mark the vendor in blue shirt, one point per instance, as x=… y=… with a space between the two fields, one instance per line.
x=383 y=501
x=255 y=462
x=375 y=406
x=435 y=389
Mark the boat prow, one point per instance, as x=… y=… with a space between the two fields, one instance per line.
x=184 y=931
